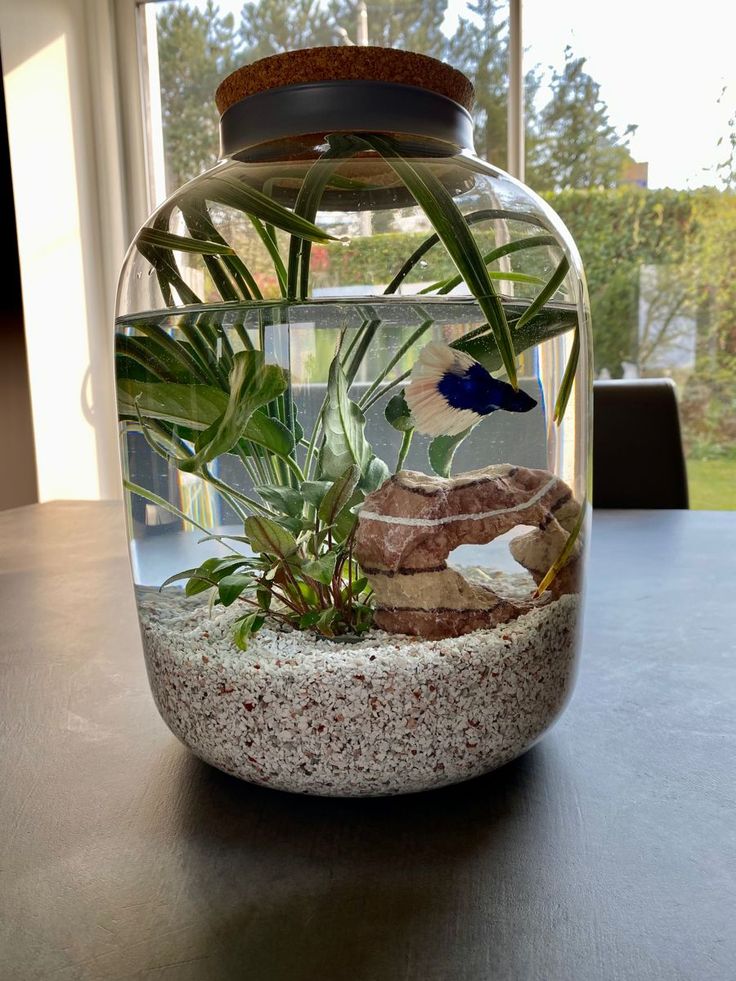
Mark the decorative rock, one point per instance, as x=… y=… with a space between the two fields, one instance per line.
x=407 y=529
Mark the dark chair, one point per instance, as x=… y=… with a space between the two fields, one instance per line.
x=638 y=461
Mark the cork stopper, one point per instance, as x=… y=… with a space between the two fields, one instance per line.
x=342 y=63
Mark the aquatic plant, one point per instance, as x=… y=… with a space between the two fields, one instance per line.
x=194 y=397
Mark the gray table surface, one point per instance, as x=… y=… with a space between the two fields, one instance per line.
x=607 y=852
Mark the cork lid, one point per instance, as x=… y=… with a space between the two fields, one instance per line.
x=343 y=63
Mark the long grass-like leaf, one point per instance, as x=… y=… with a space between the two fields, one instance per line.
x=199 y=222
x=553 y=284
x=449 y=223
x=166 y=505
x=568 y=379
x=180 y=243
x=162 y=261
x=565 y=554
x=533 y=241
x=235 y=194
x=486 y=214
x=306 y=207
x=268 y=237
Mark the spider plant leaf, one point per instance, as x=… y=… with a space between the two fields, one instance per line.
x=442 y=450
x=454 y=232
x=236 y=194
x=532 y=241
x=548 y=323
x=180 y=243
x=268 y=237
x=252 y=384
x=565 y=554
x=162 y=261
x=150 y=358
x=269 y=537
x=339 y=496
x=553 y=284
x=200 y=225
x=486 y=214
x=163 y=503
x=306 y=207
x=568 y=379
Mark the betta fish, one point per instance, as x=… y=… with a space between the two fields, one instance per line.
x=449 y=392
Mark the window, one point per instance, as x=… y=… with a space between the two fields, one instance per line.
x=630 y=136
x=632 y=149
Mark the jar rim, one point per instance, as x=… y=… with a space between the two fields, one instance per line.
x=323 y=108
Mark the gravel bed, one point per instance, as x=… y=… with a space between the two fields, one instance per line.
x=391 y=714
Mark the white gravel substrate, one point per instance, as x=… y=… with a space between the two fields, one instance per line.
x=388 y=715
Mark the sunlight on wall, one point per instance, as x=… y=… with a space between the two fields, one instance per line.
x=52 y=271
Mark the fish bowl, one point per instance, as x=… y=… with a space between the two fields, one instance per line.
x=353 y=381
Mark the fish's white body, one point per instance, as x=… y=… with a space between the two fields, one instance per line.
x=432 y=413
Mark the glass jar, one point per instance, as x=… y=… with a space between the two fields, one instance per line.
x=353 y=370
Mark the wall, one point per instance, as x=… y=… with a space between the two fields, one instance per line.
x=18 y=484
x=59 y=69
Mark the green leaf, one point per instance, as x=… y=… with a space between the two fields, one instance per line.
x=269 y=433
x=568 y=379
x=315 y=490
x=376 y=473
x=230 y=587
x=567 y=550
x=162 y=503
x=309 y=619
x=344 y=526
x=442 y=450
x=548 y=323
x=344 y=428
x=554 y=283
x=210 y=572
x=532 y=241
x=186 y=574
x=246 y=627
x=474 y=218
x=268 y=536
x=306 y=207
x=252 y=384
x=398 y=414
x=453 y=230
x=233 y=193
x=264 y=232
x=284 y=499
x=179 y=243
x=190 y=406
x=321 y=569
x=325 y=621
x=339 y=495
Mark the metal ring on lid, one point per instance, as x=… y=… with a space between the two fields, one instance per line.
x=343 y=106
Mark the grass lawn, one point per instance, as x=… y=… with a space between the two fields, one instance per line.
x=712 y=484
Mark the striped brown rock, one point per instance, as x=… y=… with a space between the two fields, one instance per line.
x=408 y=528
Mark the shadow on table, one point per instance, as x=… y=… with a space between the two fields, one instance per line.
x=305 y=887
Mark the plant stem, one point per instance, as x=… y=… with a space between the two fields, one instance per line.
x=405 y=444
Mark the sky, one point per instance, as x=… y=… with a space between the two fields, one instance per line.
x=660 y=65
